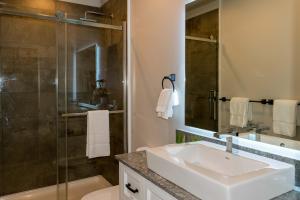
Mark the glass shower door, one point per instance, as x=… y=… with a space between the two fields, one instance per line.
x=91 y=76
x=28 y=104
x=51 y=68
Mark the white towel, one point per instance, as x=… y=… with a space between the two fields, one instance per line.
x=285 y=117
x=167 y=99
x=98 y=144
x=175 y=98
x=240 y=112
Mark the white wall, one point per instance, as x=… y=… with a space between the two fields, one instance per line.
x=156 y=49
x=259 y=52
x=157 y=29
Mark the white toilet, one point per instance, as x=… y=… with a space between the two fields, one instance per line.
x=111 y=193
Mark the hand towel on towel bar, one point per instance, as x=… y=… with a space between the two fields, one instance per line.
x=167 y=99
x=285 y=117
x=98 y=143
x=240 y=111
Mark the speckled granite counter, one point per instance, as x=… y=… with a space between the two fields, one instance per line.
x=137 y=161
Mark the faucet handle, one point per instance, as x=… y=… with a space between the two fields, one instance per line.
x=252 y=125
x=263 y=128
x=229 y=139
x=229 y=144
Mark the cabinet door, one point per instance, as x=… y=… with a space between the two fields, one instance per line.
x=135 y=187
x=155 y=193
x=131 y=184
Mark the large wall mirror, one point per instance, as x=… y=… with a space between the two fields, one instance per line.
x=247 y=49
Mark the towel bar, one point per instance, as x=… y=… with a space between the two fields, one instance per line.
x=85 y=113
x=262 y=101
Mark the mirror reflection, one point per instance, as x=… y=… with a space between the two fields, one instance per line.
x=202 y=33
x=242 y=69
x=89 y=79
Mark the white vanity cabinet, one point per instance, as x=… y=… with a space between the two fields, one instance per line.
x=135 y=187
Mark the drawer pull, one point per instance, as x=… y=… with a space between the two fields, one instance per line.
x=128 y=186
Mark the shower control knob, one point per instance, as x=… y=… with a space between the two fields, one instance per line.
x=282 y=144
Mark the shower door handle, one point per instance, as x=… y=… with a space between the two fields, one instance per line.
x=210 y=106
x=213 y=104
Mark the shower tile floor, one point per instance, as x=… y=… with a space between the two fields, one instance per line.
x=77 y=189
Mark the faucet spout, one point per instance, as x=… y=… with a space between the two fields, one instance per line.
x=229 y=140
x=229 y=144
x=218 y=134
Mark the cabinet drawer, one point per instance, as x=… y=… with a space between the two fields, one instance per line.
x=133 y=186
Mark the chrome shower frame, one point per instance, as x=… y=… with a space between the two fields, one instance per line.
x=58 y=17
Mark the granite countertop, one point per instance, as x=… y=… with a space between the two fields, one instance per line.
x=137 y=161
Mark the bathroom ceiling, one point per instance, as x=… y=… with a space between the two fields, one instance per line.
x=93 y=3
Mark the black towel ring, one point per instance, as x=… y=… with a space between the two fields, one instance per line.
x=170 y=79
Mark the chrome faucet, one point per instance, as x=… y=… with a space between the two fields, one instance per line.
x=229 y=140
x=257 y=128
x=229 y=144
x=232 y=132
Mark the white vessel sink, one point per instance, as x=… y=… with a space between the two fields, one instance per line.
x=207 y=171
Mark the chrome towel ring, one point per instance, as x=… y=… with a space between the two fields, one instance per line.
x=171 y=78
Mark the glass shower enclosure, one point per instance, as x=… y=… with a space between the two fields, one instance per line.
x=54 y=67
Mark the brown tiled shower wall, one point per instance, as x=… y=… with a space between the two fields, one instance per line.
x=201 y=70
x=31 y=54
